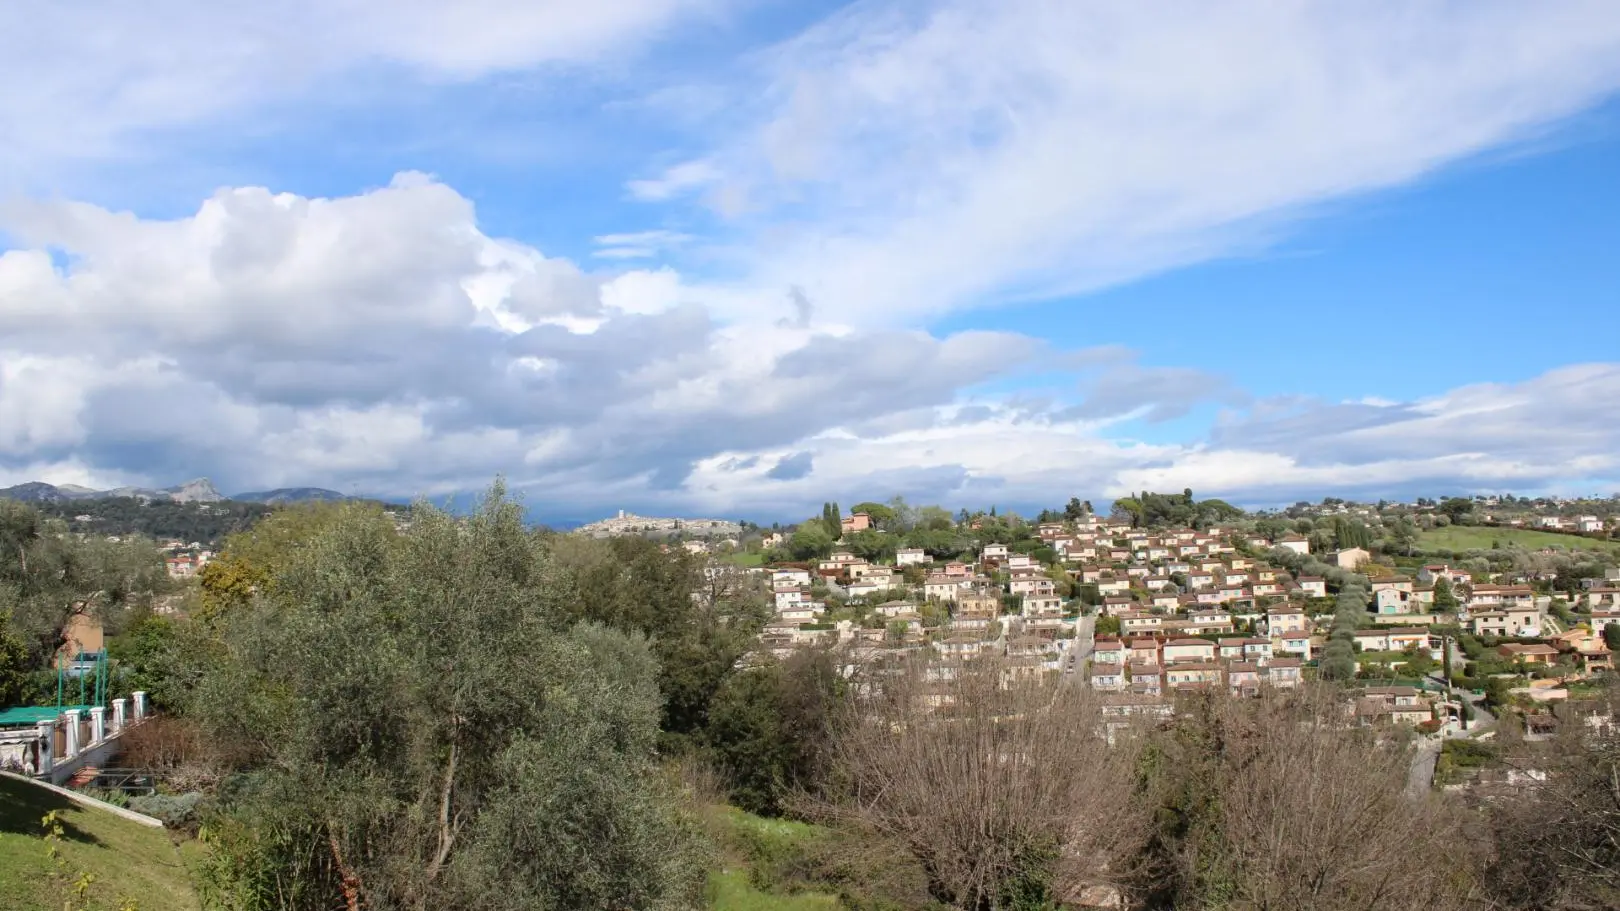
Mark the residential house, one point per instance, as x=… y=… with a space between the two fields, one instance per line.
x=1312 y=586
x=894 y=608
x=872 y=584
x=790 y=596
x=986 y=605
x=1283 y=672
x=1243 y=678
x=790 y=578
x=1109 y=651
x=910 y=556
x=799 y=613
x=1295 y=543
x=1518 y=621
x=1042 y=606
x=1392 y=705
x=1139 y=622
x=1184 y=650
x=993 y=552
x=1531 y=653
x=1429 y=573
x=857 y=522
x=1142 y=650
x=1209 y=621
x=941 y=587
x=1397 y=639
x=1501 y=597
x=1036 y=585
x=1113 y=586
x=1113 y=607
x=1351 y=558
x=1588 y=524
x=1108 y=677
x=1146 y=679
x=1285 y=620
x=1192 y=675
x=1296 y=643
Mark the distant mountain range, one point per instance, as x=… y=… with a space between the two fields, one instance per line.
x=201 y=490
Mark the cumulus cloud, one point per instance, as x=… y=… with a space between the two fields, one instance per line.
x=913 y=158
x=384 y=341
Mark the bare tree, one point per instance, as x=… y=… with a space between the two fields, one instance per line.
x=1279 y=803
x=1004 y=788
x=1557 y=834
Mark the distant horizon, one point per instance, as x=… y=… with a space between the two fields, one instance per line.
x=463 y=502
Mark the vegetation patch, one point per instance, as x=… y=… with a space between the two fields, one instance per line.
x=125 y=864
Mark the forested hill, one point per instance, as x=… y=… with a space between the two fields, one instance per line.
x=202 y=523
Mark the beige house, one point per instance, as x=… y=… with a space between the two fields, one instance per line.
x=1285 y=620
x=1351 y=558
x=1518 y=621
x=1188 y=650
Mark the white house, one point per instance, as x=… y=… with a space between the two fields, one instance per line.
x=910 y=556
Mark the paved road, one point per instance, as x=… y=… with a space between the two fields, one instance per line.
x=1085 y=642
x=1421 y=776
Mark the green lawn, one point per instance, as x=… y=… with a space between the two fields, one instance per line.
x=746 y=560
x=1465 y=537
x=129 y=862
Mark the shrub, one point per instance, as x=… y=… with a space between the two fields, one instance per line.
x=178 y=811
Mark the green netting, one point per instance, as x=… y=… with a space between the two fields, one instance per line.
x=33 y=714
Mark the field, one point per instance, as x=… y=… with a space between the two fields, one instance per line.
x=129 y=862
x=1463 y=537
x=746 y=560
x=748 y=842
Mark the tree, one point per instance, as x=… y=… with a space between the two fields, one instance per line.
x=1338 y=659
x=1271 y=803
x=810 y=540
x=1403 y=534
x=771 y=727
x=14 y=666
x=423 y=732
x=1445 y=598
x=881 y=515
x=1456 y=508
x=1611 y=636
x=1075 y=510
x=1006 y=797
x=1557 y=835
x=833 y=519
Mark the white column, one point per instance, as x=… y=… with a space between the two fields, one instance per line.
x=140 y=704
x=47 y=745
x=98 y=724
x=120 y=714
x=70 y=747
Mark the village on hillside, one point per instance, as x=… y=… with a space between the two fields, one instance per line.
x=1139 y=607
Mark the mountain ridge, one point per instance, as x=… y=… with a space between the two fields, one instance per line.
x=197 y=490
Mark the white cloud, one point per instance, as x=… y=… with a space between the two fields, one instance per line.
x=89 y=80
x=383 y=342
x=903 y=159
x=675 y=180
x=639 y=245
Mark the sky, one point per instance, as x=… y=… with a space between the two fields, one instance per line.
x=739 y=257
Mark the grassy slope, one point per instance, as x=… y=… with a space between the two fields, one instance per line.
x=730 y=888
x=129 y=861
x=1457 y=537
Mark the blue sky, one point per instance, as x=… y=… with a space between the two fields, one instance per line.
x=742 y=257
